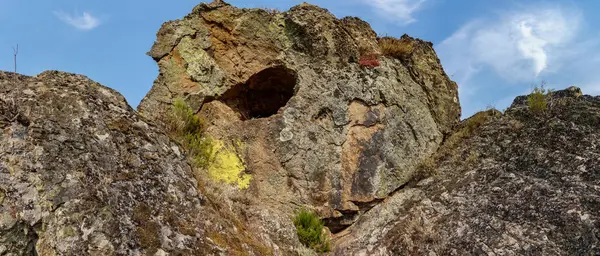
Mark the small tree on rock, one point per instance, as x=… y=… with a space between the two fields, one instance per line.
x=537 y=99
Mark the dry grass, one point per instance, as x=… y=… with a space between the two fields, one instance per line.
x=187 y=128
x=363 y=50
x=395 y=48
x=426 y=168
x=472 y=158
x=242 y=242
x=9 y=112
x=466 y=129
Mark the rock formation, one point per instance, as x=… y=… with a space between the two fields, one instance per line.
x=515 y=184
x=303 y=110
x=82 y=174
x=318 y=128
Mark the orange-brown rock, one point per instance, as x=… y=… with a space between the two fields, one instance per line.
x=318 y=129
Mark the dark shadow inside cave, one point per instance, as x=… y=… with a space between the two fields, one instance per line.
x=263 y=94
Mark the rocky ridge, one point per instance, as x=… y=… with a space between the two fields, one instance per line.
x=296 y=121
x=516 y=183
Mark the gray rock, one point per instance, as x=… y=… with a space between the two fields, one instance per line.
x=296 y=121
x=82 y=174
x=320 y=129
x=519 y=184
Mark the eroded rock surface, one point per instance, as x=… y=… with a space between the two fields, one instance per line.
x=520 y=184
x=318 y=128
x=295 y=121
x=82 y=174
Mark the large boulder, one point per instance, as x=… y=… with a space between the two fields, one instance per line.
x=317 y=128
x=82 y=174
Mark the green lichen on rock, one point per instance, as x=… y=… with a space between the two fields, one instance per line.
x=83 y=174
x=227 y=166
x=307 y=136
x=199 y=64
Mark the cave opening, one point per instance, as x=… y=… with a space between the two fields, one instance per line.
x=263 y=95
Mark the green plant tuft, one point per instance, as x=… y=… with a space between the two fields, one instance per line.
x=310 y=231
x=182 y=119
x=537 y=100
x=200 y=148
x=188 y=129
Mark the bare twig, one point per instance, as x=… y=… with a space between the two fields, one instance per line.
x=15 y=52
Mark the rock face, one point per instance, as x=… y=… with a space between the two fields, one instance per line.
x=318 y=128
x=82 y=174
x=519 y=184
x=294 y=120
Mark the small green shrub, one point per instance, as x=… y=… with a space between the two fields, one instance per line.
x=182 y=120
x=199 y=148
x=537 y=100
x=188 y=129
x=310 y=231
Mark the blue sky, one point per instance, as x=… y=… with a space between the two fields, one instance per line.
x=494 y=50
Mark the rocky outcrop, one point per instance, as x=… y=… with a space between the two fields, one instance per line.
x=518 y=184
x=294 y=118
x=317 y=128
x=82 y=174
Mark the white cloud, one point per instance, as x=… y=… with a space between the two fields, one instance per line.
x=83 y=22
x=401 y=10
x=518 y=46
x=496 y=58
x=532 y=47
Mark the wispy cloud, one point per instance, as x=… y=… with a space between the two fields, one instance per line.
x=401 y=10
x=518 y=46
x=84 y=21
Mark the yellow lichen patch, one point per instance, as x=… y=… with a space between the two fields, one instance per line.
x=227 y=166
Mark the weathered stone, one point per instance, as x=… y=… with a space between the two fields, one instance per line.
x=520 y=184
x=82 y=174
x=318 y=128
x=295 y=121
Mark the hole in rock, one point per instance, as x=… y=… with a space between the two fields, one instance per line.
x=263 y=94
